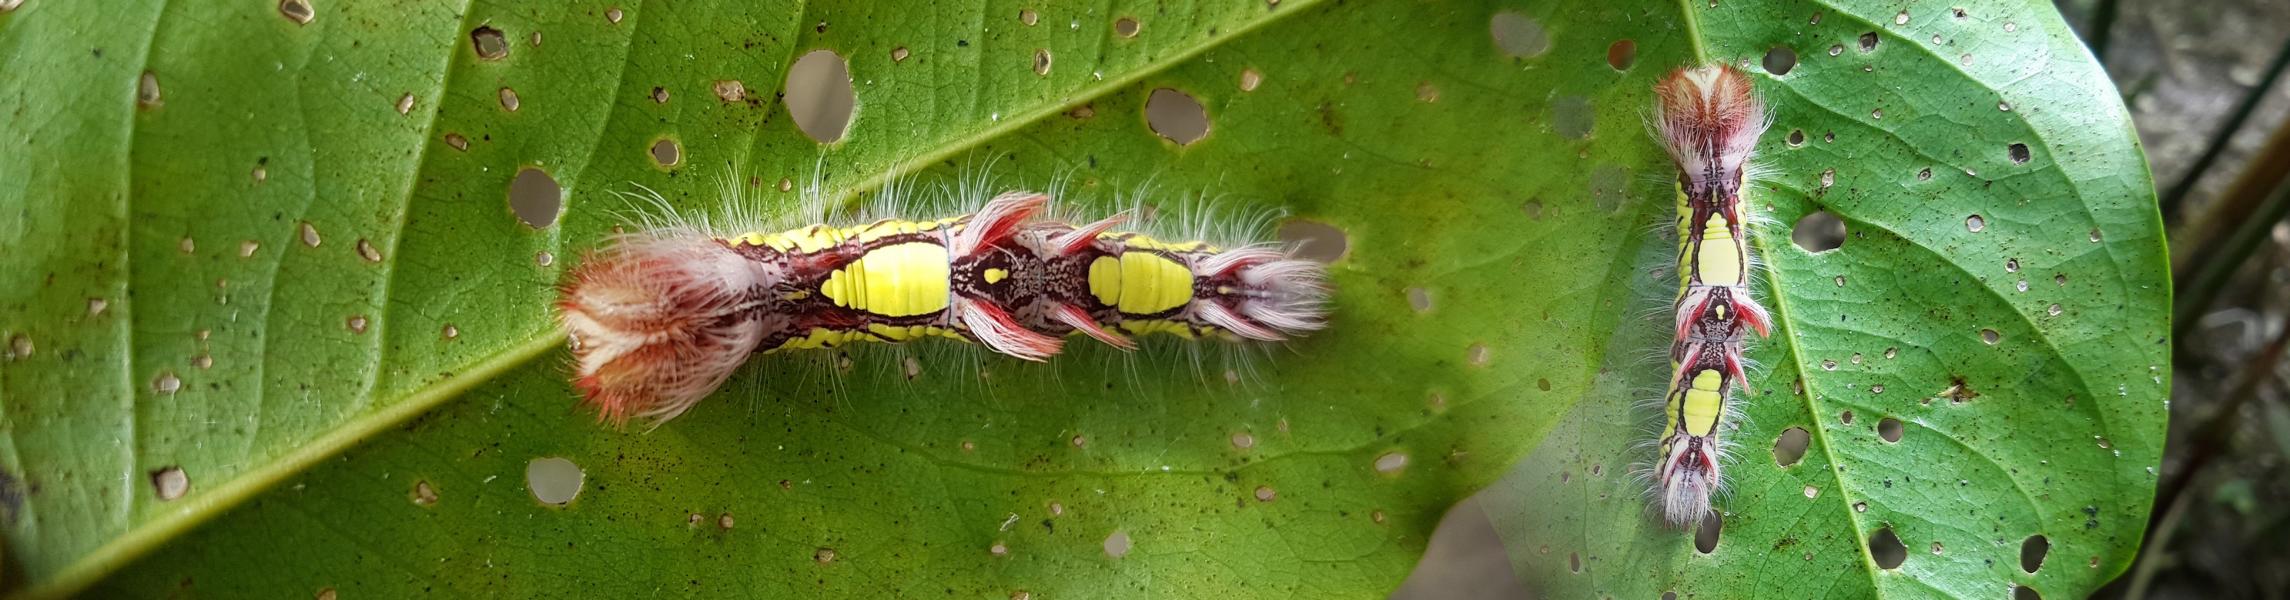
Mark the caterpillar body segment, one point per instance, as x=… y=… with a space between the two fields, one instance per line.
x=658 y=319
x=1708 y=120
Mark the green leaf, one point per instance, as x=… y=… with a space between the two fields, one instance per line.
x=2001 y=297
x=1496 y=208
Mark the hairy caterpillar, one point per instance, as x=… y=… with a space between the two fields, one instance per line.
x=658 y=318
x=1708 y=119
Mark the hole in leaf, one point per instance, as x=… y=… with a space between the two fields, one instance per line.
x=1250 y=78
x=1990 y=336
x=1975 y=224
x=666 y=153
x=1869 y=41
x=819 y=95
x=1706 y=535
x=1117 y=545
x=1391 y=462
x=2019 y=153
x=147 y=94
x=1126 y=27
x=1176 y=115
x=1041 y=61
x=1796 y=137
x=1419 y=299
x=553 y=481
x=1790 y=447
x=1887 y=550
x=535 y=197
x=2023 y=592
x=509 y=100
x=488 y=42
x=1889 y=429
x=1622 y=54
x=1780 y=60
x=1818 y=232
x=2032 y=552
x=170 y=483
x=1314 y=241
x=1518 y=36
x=297 y=11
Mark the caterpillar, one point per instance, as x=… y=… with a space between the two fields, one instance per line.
x=1708 y=119
x=658 y=318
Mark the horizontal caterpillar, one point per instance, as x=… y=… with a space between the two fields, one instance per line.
x=659 y=318
x=1708 y=119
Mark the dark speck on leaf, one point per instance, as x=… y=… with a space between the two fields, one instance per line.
x=962 y=43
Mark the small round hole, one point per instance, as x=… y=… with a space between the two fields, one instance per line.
x=535 y=197
x=488 y=42
x=1314 y=241
x=1126 y=27
x=1518 y=36
x=666 y=153
x=1790 y=447
x=1819 y=232
x=819 y=95
x=1706 y=535
x=1869 y=41
x=2032 y=552
x=2023 y=592
x=1622 y=54
x=1889 y=429
x=2019 y=153
x=1780 y=60
x=1177 y=116
x=1887 y=550
x=553 y=481
x=1796 y=137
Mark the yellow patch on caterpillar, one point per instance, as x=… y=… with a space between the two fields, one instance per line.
x=1704 y=402
x=899 y=280
x=1140 y=283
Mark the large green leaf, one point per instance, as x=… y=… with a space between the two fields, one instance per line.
x=2002 y=298
x=1496 y=207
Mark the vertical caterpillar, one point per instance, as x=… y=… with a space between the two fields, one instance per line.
x=658 y=318
x=1708 y=119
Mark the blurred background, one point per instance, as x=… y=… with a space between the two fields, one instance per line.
x=2201 y=80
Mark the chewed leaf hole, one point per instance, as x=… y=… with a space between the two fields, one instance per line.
x=2032 y=552
x=1780 y=60
x=535 y=197
x=1889 y=429
x=2018 y=153
x=1127 y=27
x=488 y=42
x=554 y=481
x=1518 y=36
x=1887 y=550
x=1117 y=545
x=1819 y=232
x=1314 y=241
x=1790 y=447
x=819 y=95
x=667 y=153
x=1176 y=115
x=1419 y=299
x=1706 y=535
x=297 y=11
x=1622 y=54
x=2023 y=592
x=170 y=483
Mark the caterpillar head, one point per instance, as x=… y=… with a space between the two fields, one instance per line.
x=658 y=322
x=1686 y=477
